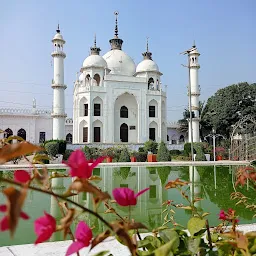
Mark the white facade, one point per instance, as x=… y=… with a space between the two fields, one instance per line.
x=195 y=93
x=116 y=102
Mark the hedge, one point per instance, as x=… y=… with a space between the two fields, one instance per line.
x=52 y=148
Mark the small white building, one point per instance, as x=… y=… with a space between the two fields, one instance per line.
x=34 y=125
x=116 y=101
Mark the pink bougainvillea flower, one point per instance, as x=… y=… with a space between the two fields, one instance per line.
x=21 y=176
x=222 y=215
x=4 y=223
x=83 y=237
x=79 y=166
x=44 y=226
x=126 y=196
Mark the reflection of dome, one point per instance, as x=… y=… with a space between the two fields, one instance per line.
x=119 y=63
x=58 y=36
x=147 y=65
x=94 y=61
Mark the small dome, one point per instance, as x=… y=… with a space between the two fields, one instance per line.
x=94 y=61
x=119 y=63
x=58 y=36
x=147 y=65
x=194 y=52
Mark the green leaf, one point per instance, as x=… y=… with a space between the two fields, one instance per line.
x=167 y=249
x=150 y=242
x=168 y=234
x=195 y=224
x=101 y=253
x=193 y=244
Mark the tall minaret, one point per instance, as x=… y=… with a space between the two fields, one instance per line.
x=195 y=93
x=58 y=112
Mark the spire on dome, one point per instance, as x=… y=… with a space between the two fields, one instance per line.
x=194 y=44
x=116 y=28
x=58 y=28
x=116 y=42
x=94 y=49
x=147 y=55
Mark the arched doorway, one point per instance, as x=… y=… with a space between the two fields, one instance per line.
x=69 y=138
x=124 y=132
x=8 y=133
x=22 y=133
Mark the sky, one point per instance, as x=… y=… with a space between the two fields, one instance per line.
x=224 y=32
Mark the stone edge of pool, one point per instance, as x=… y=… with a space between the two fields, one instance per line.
x=132 y=164
x=59 y=248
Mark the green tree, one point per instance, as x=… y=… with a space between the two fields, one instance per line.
x=163 y=153
x=227 y=106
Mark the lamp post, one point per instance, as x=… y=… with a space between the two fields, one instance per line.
x=214 y=136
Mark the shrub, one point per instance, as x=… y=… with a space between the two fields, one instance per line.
x=163 y=153
x=141 y=156
x=200 y=156
x=87 y=152
x=95 y=152
x=67 y=154
x=141 y=149
x=175 y=152
x=62 y=145
x=52 y=148
x=150 y=146
x=124 y=156
x=187 y=149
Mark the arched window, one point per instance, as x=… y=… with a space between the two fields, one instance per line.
x=181 y=138
x=88 y=77
x=124 y=132
x=97 y=79
x=22 y=133
x=124 y=112
x=8 y=133
x=167 y=137
x=157 y=84
x=69 y=138
x=150 y=83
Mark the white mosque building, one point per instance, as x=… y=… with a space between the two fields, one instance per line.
x=114 y=101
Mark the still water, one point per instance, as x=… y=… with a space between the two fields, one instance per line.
x=212 y=183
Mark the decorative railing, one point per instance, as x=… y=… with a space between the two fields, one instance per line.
x=15 y=111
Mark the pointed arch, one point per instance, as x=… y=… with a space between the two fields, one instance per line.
x=96 y=77
x=69 y=138
x=83 y=107
x=97 y=106
x=8 y=133
x=97 y=127
x=124 y=112
x=83 y=132
x=153 y=129
x=22 y=133
x=151 y=83
x=153 y=108
x=124 y=132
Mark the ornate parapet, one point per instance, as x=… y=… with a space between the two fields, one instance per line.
x=17 y=111
x=58 y=54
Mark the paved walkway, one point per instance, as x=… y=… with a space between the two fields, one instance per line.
x=59 y=248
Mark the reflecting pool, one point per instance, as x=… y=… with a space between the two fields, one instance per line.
x=212 y=183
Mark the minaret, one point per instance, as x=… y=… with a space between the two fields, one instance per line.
x=58 y=111
x=195 y=92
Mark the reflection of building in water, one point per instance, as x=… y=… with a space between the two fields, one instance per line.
x=149 y=206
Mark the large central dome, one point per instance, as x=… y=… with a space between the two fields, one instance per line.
x=120 y=63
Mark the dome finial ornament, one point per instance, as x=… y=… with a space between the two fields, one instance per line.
x=147 y=55
x=116 y=27
x=194 y=44
x=58 y=28
x=116 y=42
x=95 y=40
